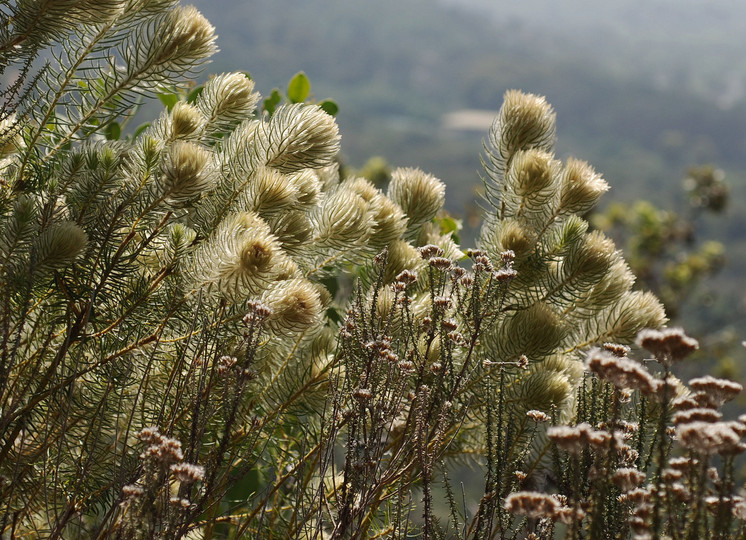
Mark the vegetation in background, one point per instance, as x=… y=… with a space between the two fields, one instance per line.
x=662 y=246
x=182 y=355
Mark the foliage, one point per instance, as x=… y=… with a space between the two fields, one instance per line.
x=181 y=356
x=662 y=246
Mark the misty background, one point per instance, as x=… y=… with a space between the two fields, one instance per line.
x=642 y=90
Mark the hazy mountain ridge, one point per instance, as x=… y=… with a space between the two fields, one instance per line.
x=695 y=45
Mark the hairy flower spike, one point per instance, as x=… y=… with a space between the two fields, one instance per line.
x=186 y=121
x=270 y=192
x=187 y=173
x=531 y=173
x=297 y=137
x=509 y=235
x=183 y=40
x=59 y=245
x=590 y=260
x=418 y=194
x=525 y=121
x=242 y=257
x=343 y=219
x=581 y=187
x=206 y=244
x=296 y=306
x=227 y=99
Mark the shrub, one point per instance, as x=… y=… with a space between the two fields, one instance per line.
x=184 y=354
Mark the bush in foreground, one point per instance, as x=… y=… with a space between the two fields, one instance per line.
x=183 y=354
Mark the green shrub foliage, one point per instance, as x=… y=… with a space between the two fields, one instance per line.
x=184 y=353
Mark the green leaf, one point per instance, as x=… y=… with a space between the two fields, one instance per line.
x=330 y=107
x=450 y=225
x=113 y=131
x=140 y=129
x=270 y=104
x=332 y=285
x=334 y=315
x=168 y=99
x=298 y=88
x=194 y=94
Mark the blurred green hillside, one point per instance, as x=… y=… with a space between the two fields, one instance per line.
x=642 y=91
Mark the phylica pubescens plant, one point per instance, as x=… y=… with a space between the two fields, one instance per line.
x=173 y=362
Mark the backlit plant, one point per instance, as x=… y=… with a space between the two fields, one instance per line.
x=207 y=331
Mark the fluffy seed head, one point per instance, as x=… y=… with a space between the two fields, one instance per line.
x=161 y=449
x=187 y=473
x=617 y=349
x=627 y=479
x=696 y=415
x=537 y=416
